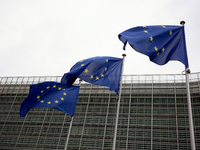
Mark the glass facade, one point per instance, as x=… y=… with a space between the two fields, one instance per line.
x=153 y=115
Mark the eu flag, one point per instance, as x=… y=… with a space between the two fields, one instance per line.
x=51 y=95
x=104 y=71
x=160 y=43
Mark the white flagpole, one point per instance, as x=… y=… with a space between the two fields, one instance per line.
x=70 y=126
x=118 y=105
x=192 y=139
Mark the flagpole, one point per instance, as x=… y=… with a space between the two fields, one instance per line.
x=187 y=71
x=118 y=104
x=192 y=139
x=70 y=126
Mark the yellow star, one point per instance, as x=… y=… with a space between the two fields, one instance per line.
x=145 y=31
x=170 y=32
x=64 y=93
x=42 y=101
x=38 y=97
x=81 y=61
x=91 y=76
x=62 y=98
x=163 y=26
x=56 y=101
x=144 y=27
x=42 y=91
x=82 y=64
x=86 y=71
x=105 y=68
x=59 y=88
x=48 y=87
x=49 y=102
x=156 y=49
x=163 y=49
x=97 y=78
x=102 y=75
x=54 y=86
x=106 y=60
x=151 y=38
x=158 y=54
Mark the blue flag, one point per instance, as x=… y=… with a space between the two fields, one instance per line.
x=160 y=43
x=105 y=71
x=51 y=95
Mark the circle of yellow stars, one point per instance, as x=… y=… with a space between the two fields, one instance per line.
x=92 y=76
x=151 y=39
x=49 y=102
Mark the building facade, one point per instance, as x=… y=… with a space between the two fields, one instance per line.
x=153 y=115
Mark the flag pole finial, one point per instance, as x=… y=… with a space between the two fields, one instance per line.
x=182 y=23
x=123 y=54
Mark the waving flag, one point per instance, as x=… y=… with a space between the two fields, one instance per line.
x=160 y=43
x=104 y=71
x=51 y=95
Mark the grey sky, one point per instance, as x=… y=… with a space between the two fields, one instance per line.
x=46 y=37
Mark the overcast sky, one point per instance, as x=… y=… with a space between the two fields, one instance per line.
x=47 y=37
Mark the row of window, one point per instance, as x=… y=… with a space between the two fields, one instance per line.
x=98 y=143
x=134 y=110
x=103 y=120
x=96 y=119
x=114 y=100
x=90 y=143
x=138 y=89
x=105 y=101
x=109 y=131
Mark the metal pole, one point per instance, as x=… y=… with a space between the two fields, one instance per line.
x=152 y=115
x=192 y=139
x=70 y=126
x=118 y=105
